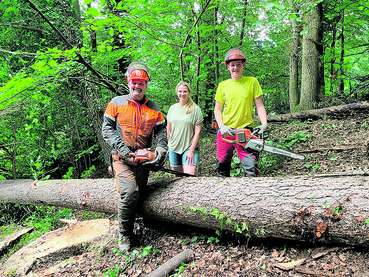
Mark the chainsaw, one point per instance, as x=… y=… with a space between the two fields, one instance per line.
x=146 y=155
x=256 y=141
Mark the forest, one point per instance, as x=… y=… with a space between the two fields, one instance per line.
x=61 y=61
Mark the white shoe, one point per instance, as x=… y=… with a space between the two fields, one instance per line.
x=124 y=244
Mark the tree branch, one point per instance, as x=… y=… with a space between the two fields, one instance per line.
x=188 y=37
x=359 y=53
x=242 y=34
x=79 y=56
x=24 y=27
x=27 y=54
x=150 y=34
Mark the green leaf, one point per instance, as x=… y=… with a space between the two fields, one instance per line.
x=92 y=12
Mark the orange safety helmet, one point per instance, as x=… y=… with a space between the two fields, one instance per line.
x=234 y=54
x=137 y=71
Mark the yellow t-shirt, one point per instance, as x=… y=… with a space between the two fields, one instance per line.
x=237 y=98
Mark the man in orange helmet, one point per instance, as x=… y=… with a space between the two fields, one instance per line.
x=130 y=123
x=234 y=101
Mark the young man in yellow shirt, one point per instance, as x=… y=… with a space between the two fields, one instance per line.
x=233 y=109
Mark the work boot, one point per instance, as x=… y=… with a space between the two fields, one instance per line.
x=224 y=170
x=124 y=244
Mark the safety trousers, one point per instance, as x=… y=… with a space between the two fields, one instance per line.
x=128 y=180
x=225 y=154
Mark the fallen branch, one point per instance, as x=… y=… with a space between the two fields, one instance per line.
x=290 y=265
x=335 y=148
x=321 y=113
x=58 y=242
x=166 y=268
x=9 y=241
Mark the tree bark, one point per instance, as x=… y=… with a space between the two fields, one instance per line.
x=169 y=266
x=341 y=86
x=310 y=60
x=339 y=111
x=294 y=93
x=333 y=71
x=325 y=209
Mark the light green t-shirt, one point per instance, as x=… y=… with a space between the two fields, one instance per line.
x=237 y=97
x=183 y=127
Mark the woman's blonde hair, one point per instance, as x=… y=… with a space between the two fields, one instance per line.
x=190 y=105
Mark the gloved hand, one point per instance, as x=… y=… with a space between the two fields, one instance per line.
x=261 y=129
x=224 y=129
x=127 y=156
x=159 y=160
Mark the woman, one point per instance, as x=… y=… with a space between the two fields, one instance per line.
x=183 y=129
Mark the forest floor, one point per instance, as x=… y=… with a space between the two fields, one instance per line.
x=333 y=146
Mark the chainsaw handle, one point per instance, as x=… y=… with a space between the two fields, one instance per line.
x=230 y=132
x=257 y=133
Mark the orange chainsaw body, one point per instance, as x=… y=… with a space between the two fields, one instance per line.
x=144 y=155
x=239 y=136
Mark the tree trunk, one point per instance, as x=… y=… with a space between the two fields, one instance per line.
x=341 y=86
x=310 y=60
x=338 y=111
x=294 y=93
x=320 y=46
x=333 y=73
x=198 y=64
x=14 y=151
x=325 y=209
x=243 y=24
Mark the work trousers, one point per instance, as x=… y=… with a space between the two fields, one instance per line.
x=128 y=180
x=225 y=154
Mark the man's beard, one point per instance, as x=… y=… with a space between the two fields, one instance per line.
x=137 y=90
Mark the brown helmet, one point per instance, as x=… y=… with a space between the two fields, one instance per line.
x=137 y=71
x=234 y=54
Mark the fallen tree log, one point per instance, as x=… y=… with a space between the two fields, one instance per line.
x=169 y=266
x=341 y=110
x=325 y=209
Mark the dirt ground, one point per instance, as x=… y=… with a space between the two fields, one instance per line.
x=331 y=146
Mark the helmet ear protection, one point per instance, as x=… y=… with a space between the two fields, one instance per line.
x=137 y=71
x=234 y=54
x=139 y=75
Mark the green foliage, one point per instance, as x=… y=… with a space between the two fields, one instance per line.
x=182 y=267
x=268 y=162
x=11 y=273
x=52 y=103
x=149 y=250
x=43 y=219
x=366 y=222
x=364 y=125
x=116 y=251
x=88 y=172
x=242 y=228
x=212 y=240
x=89 y=215
x=294 y=138
x=336 y=211
x=7 y=230
x=112 y=272
x=235 y=167
x=313 y=167
x=69 y=173
x=46 y=218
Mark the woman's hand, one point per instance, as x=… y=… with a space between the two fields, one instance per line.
x=190 y=156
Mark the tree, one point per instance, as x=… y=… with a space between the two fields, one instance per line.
x=325 y=209
x=295 y=50
x=310 y=58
